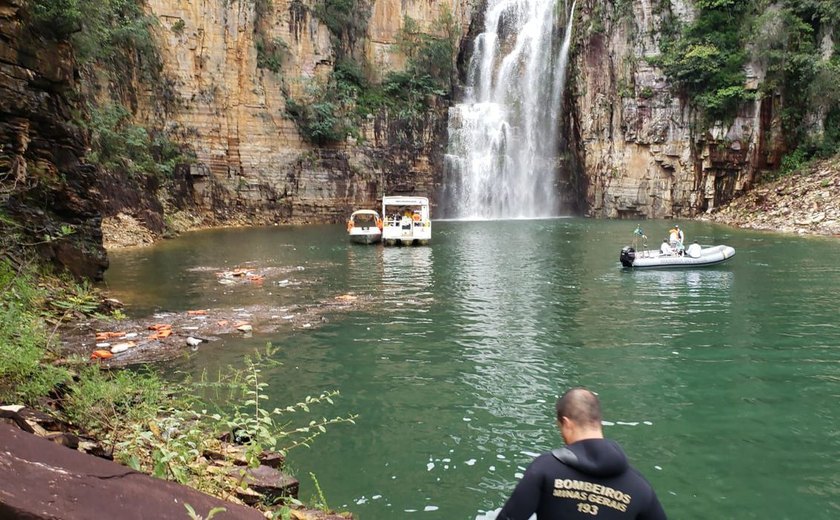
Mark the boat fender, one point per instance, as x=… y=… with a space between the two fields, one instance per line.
x=349 y=225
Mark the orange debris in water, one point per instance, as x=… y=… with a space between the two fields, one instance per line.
x=197 y=313
x=160 y=326
x=162 y=333
x=105 y=336
x=101 y=354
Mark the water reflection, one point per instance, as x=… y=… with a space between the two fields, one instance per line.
x=407 y=278
x=455 y=357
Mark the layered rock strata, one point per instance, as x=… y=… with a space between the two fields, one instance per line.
x=45 y=185
x=641 y=152
x=252 y=163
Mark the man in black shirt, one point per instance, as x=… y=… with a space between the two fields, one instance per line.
x=589 y=478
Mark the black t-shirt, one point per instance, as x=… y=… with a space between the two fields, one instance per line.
x=589 y=479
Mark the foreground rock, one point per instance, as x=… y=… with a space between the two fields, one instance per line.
x=41 y=479
x=806 y=203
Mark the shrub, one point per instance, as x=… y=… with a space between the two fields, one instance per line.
x=25 y=370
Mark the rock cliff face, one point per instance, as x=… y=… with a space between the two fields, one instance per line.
x=640 y=154
x=252 y=163
x=44 y=181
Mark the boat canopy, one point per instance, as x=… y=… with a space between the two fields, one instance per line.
x=422 y=202
x=359 y=212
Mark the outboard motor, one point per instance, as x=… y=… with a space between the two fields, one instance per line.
x=628 y=256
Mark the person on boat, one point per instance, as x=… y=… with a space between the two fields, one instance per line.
x=405 y=222
x=638 y=233
x=676 y=239
x=666 y=248
x=589 y=478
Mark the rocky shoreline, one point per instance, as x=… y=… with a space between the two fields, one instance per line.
x=805 y=203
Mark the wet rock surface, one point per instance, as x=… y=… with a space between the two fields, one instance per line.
x=806 y=203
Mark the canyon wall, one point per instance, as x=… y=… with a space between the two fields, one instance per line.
x=252 y=163
x=638 y=145
x=47 y=192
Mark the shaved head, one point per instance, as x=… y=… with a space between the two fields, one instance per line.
x=581 y=406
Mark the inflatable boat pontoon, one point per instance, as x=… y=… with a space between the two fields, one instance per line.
x=695 y=256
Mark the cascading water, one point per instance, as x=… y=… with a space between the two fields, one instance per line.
x=503 y=147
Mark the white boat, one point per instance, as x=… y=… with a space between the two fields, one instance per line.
x=407 y=221
x=695 y=256
x=364 y=227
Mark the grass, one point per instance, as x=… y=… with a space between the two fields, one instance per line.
x=152 y=425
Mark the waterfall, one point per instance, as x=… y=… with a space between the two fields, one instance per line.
x=503 y=138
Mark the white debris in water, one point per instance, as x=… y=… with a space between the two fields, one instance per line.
x=470 y=462
x=431 y=508
x=674 y=352
x=189 y=328
x=376 y=497
x=500 y=456
x=410 y=510
x=658 y=467
x=492 y=468
x=300 y=268
x=627 y=423
x=541 y=400
x=648 y=423
x=360 y=501
x=446 y=460
x=467 y=419
x=307 y=325
x=288 y=317
x=130 y=335
x=103 y=345
x=430 y=466
x=530 y=453
x=608 y=423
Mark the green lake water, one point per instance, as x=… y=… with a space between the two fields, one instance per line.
x=722 y=383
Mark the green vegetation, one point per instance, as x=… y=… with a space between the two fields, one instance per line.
x=334 y=109
x=103 y=30
x=706 y=61
x=151 y=425
x=270 y=51
x=120 y=145
x=26 y=369
x=346 y=20
x=178 y=27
